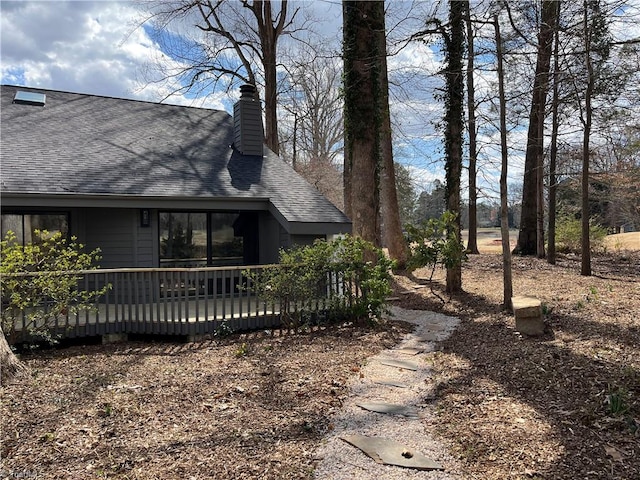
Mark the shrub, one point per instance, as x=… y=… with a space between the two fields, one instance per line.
x=39 y=282
x=569 y=235
x=349 y=276
x=433 y=243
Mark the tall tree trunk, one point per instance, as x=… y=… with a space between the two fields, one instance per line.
x=504 y=208
x=269 y=34
x=540 y=185
x=10 y=366
x=472 y=243
x=585 y=268
x=362 y=155
x=528 y=235
x=553 y=153
x=390 y=209
x=454 y=125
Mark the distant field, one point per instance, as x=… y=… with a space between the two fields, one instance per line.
x=624 y=241
x=489 y=240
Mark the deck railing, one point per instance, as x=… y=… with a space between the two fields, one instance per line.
x=182 y=301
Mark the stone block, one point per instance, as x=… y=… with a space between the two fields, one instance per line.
x=114 y=338
x=528 y=313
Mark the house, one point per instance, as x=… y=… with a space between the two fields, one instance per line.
x=153 y=185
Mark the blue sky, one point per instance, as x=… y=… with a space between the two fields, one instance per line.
x=87 y=47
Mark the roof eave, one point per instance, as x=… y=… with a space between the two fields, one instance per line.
x=71 y=200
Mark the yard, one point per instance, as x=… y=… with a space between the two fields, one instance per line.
x=563 y=406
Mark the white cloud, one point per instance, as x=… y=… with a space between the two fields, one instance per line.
x=86 y=47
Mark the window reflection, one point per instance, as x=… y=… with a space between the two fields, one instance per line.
x=193 y=239
x=183 y=239
x=25 y=225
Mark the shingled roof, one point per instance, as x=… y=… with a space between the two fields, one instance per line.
x=79 y=145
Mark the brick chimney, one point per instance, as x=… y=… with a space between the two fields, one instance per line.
x=247 y=123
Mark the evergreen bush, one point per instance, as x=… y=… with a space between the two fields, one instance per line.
x=569 y=235
x=347 y=277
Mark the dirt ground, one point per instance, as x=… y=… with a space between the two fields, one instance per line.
x=255 y=406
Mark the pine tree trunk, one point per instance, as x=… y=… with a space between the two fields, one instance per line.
x=585 y=267
x=528 y=235
x=269 y=35
x=390 y=224
x=504 y=214
x=553 y=155
x=472 y=244
x=362 y=155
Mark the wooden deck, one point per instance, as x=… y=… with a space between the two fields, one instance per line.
x=177 y=301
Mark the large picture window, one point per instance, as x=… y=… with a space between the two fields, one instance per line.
x=195 y=239
x=24 y=225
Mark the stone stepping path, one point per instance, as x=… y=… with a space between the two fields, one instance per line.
x=381 y=418
x=389 y=452
x=409 y=351
x=389 y=382
x=400 y=364
x=390 y=409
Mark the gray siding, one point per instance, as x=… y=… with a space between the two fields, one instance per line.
x=115 y=232
x=146 y=239
x=284 y=237
x=269 y=241
x=125 y=243
x=247 y=123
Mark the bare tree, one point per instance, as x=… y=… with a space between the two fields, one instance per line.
x=553 y=151
x=392 y=236
x=472 y=244
x=454 y=125
x=452 y=34
x=585 y=264
x=504 y=215
x=237 y=43
x=312 y=131
x=313 y=102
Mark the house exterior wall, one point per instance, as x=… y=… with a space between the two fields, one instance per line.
x=121 y=239
x=270 y=244
x=125 y=243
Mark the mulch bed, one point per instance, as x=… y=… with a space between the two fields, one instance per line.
x=247 y=406
x=565 y=405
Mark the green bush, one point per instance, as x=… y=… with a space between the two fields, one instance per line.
x=569 y=235
x=433 y=243
x=39 y=282
x=347 y=277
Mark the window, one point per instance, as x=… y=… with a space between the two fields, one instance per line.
x=25 y=225
x=226 y=246
x=194 y=239
x=183 y=239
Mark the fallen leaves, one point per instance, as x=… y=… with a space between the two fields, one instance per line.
x=562 y=406
x=149 y=411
